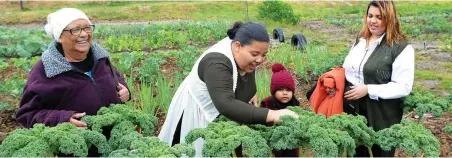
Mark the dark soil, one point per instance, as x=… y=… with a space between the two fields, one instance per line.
x=7 y=123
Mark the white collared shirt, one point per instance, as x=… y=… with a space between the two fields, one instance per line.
x=402 y=76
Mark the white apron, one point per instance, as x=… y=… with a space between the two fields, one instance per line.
x=193 y=100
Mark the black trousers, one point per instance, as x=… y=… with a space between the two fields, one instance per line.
x=359 y=107
x=176 y=136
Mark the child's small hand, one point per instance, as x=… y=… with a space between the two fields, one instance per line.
x=253 y=101
x=330 y=91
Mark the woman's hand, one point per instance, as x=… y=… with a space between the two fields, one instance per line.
x=123 y=92
x=356 y=92
x=75 y=120
x=275 y=115
x=253 y=101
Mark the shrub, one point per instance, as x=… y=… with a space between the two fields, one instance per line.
x=278 y=11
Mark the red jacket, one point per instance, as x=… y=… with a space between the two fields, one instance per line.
x=320 y=101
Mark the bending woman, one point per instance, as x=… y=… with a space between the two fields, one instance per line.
x=222 y=82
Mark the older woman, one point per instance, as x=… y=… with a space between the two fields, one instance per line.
x=74 y=76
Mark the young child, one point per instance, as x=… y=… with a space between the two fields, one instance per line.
x=282 y=89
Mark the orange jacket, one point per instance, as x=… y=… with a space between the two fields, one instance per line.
x=320 y=101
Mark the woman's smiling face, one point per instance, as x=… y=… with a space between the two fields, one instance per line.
x=248 y=57
x=374 y=21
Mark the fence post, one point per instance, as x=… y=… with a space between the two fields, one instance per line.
x=21 y=5
x=247 y=17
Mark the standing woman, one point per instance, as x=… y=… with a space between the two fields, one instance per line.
x=379 y=71
x=222 y=81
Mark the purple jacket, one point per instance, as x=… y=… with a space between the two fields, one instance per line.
x=55 y=90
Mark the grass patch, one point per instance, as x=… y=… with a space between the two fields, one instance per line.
x=446 y=79
x=446 y=84
x=314 y=34
x=263 y=83
x=135 y=11
x=427 y=75
x=408 y=8
x=422 y=58
x=201 y=10
x=337 y=46
x=448 y=66
x=446 y=45
x=315 y=60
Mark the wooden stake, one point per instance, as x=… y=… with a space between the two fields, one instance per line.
x=247 y=17
x=21 y=5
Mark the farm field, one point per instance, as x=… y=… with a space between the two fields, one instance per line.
x=155 y=44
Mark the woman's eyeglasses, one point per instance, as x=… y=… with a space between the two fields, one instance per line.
x=77 y=31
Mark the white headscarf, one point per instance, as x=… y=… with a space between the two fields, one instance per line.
x=58 y=20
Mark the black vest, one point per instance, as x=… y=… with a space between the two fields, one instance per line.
x=378 y=70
